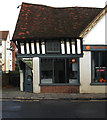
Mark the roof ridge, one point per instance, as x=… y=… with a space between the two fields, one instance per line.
x=59 y=6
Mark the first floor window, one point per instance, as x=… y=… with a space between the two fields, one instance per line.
x=99 y=67
x=53 y=46
x=59 y=70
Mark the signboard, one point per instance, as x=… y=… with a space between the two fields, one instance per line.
x=28 y=61
x=95 y=47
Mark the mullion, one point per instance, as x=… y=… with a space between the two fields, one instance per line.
x=99 y=62
x=53 y=71
x=65 y=70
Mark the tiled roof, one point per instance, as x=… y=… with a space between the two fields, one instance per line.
x=3 y=35
x=39 y=21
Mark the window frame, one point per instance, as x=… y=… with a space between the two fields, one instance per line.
x=53 y=43
x=92 y=72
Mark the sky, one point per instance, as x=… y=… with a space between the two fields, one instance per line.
x=9 y=11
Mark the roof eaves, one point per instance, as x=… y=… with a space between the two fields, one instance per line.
x=2 y=36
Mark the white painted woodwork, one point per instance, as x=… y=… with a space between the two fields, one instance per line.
x=43 y=47
x=7 y=55
x=78 y=46
x=11 y=62
x=3 y=55
x=62 y=47
x=16 y=42
x=21 y=80
x=38 y=48
x=27 y=48
x=32 y=48
x=68 y=47
x=22 y=48
x=36 y=75
x=73 y=48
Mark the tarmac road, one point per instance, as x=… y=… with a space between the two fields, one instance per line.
x=54 y=109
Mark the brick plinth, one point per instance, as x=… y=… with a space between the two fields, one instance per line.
x=60 y=89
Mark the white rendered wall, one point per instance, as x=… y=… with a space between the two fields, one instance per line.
x=85 y=76
x=97 y=34
x=36 y=75
x=8 y=54
x=3 y=55
x=21 y=80
x=11 y=61
x=1 y=52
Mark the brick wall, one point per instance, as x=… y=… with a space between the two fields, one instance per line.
x=60 y=89
x=10 y=78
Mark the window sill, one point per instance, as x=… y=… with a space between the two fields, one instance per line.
x=59 y=84
x=98 y=83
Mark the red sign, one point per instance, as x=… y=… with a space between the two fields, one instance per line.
x=102 y=70
x=88 y=47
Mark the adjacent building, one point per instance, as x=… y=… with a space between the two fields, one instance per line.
x=61 y=50
x=6 y=52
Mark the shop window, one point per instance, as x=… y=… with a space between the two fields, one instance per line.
x=55 y=71
x=46 y=70
x=53 y=46
x=59 y=71
x=72 y=70
x=99 y=67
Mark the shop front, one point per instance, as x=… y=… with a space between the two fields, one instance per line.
x=57 y=67
x=96 y=80
x=50 y=49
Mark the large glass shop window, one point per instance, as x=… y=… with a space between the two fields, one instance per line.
x=72 y=70
x=59 y=71
x=46 y=70
x=99 y=69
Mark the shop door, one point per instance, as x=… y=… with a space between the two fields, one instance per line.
x=59 y=71
x=28 y=83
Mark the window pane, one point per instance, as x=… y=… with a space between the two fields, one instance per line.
x=72 y=70
x=46 y=70
x=99 y=67
x=59 y=71
x=53 y=46
x=103 y=59
x=103 y=66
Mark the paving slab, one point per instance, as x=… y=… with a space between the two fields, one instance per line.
x=15 y=93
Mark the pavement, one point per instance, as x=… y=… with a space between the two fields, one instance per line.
x=15 y=93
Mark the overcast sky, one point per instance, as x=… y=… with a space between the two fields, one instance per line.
x=9 y=12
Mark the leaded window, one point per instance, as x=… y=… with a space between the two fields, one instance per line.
x=53 y=46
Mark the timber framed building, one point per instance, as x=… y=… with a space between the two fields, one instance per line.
x=51 y=49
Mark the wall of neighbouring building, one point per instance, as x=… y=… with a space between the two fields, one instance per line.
x=97 y=34
x=6 y=56
x=85 y=76
x=95 y=37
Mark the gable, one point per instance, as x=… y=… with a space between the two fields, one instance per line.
x=97 y=34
